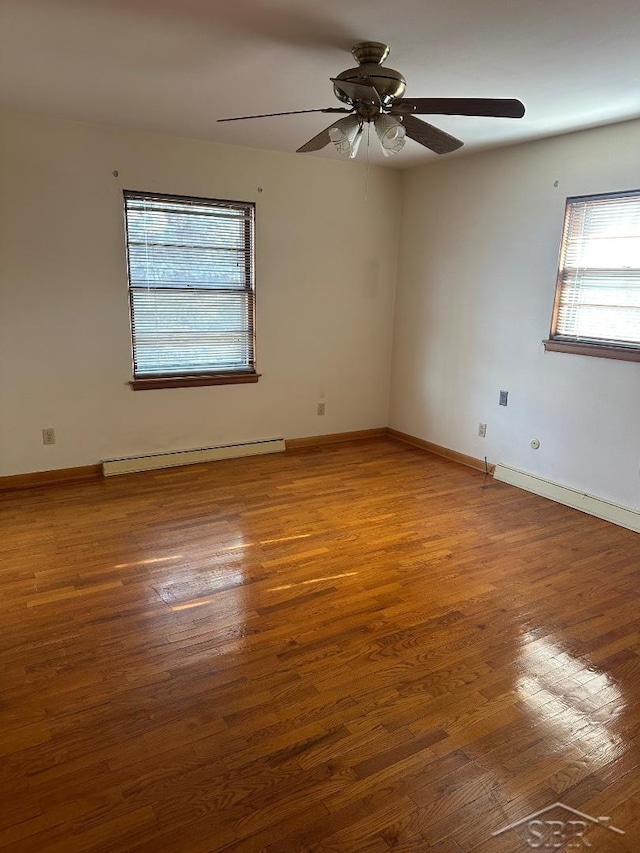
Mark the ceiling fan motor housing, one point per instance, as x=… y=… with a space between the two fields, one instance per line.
x=387 y=82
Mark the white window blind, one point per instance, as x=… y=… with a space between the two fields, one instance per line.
x=191 y=285
x=598 y=293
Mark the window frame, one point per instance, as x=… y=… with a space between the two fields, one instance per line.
x=199 y=378
x=556 y=342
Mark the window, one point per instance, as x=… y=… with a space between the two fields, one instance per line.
x=597 y=304
x=191 y=290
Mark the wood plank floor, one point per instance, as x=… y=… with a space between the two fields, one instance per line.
x=357 y=648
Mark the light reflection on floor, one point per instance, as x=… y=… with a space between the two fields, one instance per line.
x=149 y=562
x=313 y=580
x=202 y=583
x=574 y=702
x=284 y=539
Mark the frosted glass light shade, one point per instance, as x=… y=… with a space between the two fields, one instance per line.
x=391 y=133
x=346 y=135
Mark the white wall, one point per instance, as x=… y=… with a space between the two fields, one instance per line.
x=326 y=266
x=478 y=254
x=478 y=257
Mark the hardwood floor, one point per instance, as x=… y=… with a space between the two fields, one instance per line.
x=356 y=648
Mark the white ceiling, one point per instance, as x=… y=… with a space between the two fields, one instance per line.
x=175 y=66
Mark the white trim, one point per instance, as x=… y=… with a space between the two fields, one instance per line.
x=591 y=504
x=190 y=457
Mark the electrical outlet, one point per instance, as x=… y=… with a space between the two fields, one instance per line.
x=504 y=396
x=482 y=430
x=49 y=436
x=321 y=408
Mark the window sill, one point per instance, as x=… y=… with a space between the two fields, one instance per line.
x=194 y=381
x=597 y=350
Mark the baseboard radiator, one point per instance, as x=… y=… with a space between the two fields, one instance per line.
x=175 y=458
x=591 y=504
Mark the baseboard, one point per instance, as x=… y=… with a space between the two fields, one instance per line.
x=334 y=438
x=179 y=458
x=447 y=453
x=591 y=504
x=38 y=479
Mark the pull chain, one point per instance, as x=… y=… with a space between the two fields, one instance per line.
x=366 y=179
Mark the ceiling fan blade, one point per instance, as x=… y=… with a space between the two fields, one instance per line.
x=358 y=91
x=290 y=113
x=496 y=107
x=319 y=140
x=429 y=136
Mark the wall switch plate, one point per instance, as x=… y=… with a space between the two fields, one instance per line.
x=482 y=430
x=504 y=396
x=49 y=435
x=321 y=408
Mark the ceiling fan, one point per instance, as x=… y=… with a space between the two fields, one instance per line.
x=374 y=93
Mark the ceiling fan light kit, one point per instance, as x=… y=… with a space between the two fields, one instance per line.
x=373 y=93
